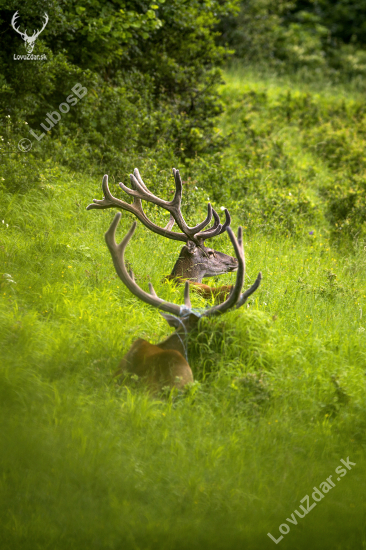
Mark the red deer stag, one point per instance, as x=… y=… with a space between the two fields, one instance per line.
x=195 y=261
x=166 y=363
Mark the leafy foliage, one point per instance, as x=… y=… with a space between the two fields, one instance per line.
x=151 y=71
x=310 y=36
x=278 y=383
x=279 y=391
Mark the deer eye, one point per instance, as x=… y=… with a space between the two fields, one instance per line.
x=211 y=253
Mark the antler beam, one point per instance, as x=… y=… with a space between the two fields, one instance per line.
x=235 y=299
x=117 y=252
x=109 y=201
x=140 y=192
x=13 y=21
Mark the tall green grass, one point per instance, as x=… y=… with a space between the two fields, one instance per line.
x=279 y=396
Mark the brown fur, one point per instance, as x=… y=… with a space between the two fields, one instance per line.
x=158 y=367
x=220 y=293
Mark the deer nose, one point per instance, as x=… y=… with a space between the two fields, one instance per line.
x=234 y=264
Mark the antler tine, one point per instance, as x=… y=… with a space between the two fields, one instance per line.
x=170 y=223
x=139 y=178
x=243 y=298
x=216 y=229
x=187 y=300
x=177 y=199
x=236 y=298
x=240 y=237
x=13 y=21
x=109 y=201
x=37 y=33
x=152 y=290
x=140 y=192
x=117 y=252
x=45 y=23
x=105 y=188
x=191 y=232
x=227 y=220
x=235 y=294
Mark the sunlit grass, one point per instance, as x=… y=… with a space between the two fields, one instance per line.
x=279 y=397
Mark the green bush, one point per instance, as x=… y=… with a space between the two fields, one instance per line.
x=151 y=71
x=313 y=37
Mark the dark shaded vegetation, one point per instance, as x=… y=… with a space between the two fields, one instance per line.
x=151 y=70
x=152 y=75
x=316 y=37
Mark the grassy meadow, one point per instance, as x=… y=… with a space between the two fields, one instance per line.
x=279 y=392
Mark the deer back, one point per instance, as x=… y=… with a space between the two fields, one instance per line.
x=155 y=366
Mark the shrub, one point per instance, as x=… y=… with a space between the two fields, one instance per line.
x=151 y=71
x=292 y=35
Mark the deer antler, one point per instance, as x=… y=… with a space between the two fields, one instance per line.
x=140 y=192
x=117 y=252
x=36 y=34
x=24 y=34
x=13 y=21
x=29 y=40
x=235 y=299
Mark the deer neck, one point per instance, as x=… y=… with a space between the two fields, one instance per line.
x=177 y=341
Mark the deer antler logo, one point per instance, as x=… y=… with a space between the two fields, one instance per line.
x=29 y=40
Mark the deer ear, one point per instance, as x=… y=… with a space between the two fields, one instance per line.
x=191 y=247
x=174 y=322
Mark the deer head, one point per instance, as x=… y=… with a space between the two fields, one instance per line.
x=195 y=261
x=166 y=364
x=29 y=40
